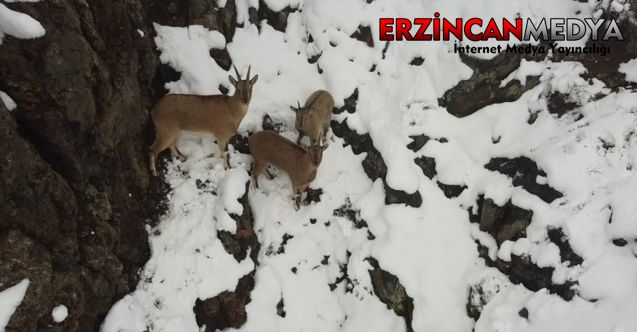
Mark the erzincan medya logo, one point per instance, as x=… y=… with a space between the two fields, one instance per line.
x=524 y=30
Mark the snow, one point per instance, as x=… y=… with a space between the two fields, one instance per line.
x=59 y=313
x=8 y=102
x=431 y=248
x=629 y=69
x=18 y=25
x=10 y=299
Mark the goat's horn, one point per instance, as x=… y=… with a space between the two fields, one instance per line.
x=299 y=104
x=247 y=78
x=236 y=71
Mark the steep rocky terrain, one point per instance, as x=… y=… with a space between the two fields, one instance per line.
x=75 y=188
x=77 y=199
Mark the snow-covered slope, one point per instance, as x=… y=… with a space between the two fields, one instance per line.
x=313 y=264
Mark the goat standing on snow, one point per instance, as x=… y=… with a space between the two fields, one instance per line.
x=313 y=119
x=300 y=163
x=218 y=115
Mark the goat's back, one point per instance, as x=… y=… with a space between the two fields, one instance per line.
x=196 y=113
x=269 y=147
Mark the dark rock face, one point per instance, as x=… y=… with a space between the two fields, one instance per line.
x=605 y=67
x=451 y=190
x=557 y=236
x=195 y=12
x=559 y=104
x=417 y=61
x=349 y=104
x=373 y=164
x=278 y=20
x=75 y=186
x=483 y=88
x=506 y=222
x=364 y=33
x=509 y=223
x=428 y=166
x=520 y=270
x=417 y=142
x=388 y=289
x=524 y=172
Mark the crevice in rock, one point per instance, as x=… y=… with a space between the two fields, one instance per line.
x=390 y=291
x=524 y=173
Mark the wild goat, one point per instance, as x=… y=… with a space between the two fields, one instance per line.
x=300 y=163
x=218 y=115
x=313 y=119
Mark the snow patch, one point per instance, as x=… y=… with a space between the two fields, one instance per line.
x=59 y=313
x=8 y=102
x=10 y=299
x=629 y=69
x=18 y=25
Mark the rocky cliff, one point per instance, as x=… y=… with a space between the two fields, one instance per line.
x=75 y=187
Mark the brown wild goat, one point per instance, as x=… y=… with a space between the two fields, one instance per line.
x=300 y=163
x=218 y=115
x=313 y=119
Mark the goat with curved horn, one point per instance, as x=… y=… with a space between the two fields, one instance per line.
x=298 y=162
x=217 y=115
x=313 y=119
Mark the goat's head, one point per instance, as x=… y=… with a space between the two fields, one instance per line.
x=316 y=152
x=243 y=87
x=302 y=113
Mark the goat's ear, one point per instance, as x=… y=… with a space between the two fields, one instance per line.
x=232 y=80
x=323 y=147
x=254 y=79
x=294 y=109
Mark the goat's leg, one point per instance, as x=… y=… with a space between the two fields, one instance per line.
x=326 y=131
x=257 y=169
x=175 y=153
x=297 y=199
x=223 y=146
x=160 y=144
